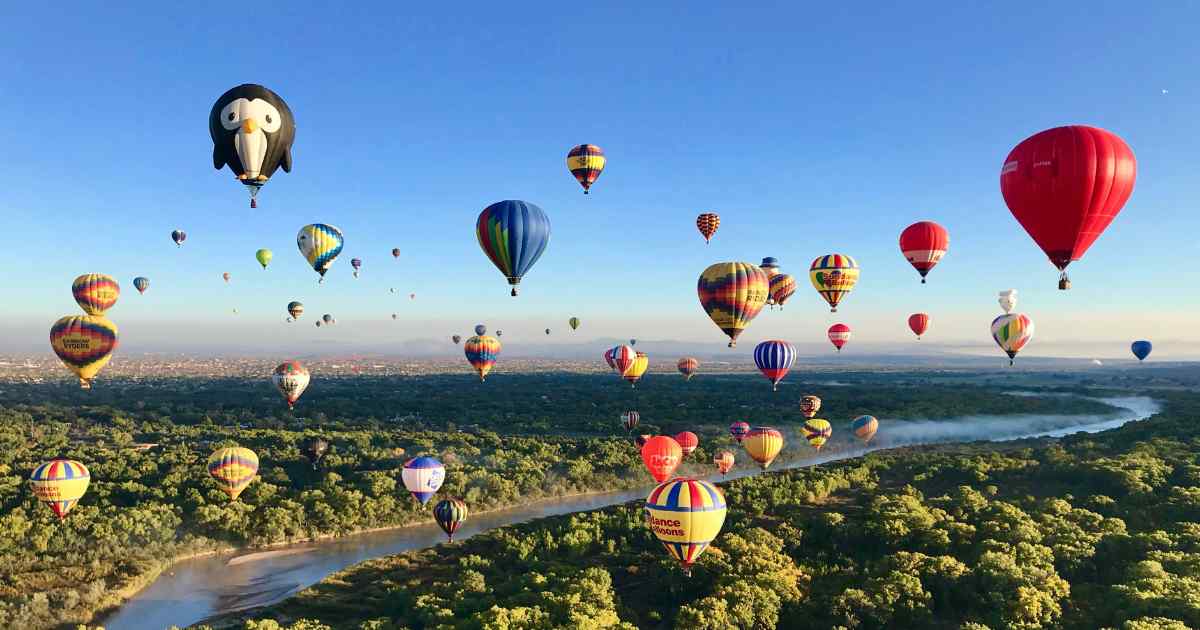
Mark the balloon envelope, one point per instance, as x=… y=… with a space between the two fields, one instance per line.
x=732 y=294
x=60 y=483
x=295 y=309
x=763 y=445
x=833 y=276
x=423 y=476
x=573 y=323
x=688 y=442
x=141 y=284
x=686 y=515
x=95 y=293
x=839 y=334
x=1008 y=300
x=918 y=323
x=1012 y=332
x=291 y=379
x=179 y=236
x=781 y=286
x=513 y=234
x=630 y=419
x=864 y=427
x=314 y=448
x=263 y=256
x=586 y=162
x=234 y=468
x=1141 y=349
x=687 y=366
x=661 y=455
x=481 y=352
x=774 y=357
x=320 y=245
x=724 y=461
x=450 y=514
x=85 y=344
x=817 y=431
x=708 y=223
x=640 y=363
x=923 y=245
x=738 y=431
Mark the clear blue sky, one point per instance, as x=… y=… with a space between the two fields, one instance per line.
x=810 y=129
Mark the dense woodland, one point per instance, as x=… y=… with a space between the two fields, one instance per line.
x=502 y=442
x=1086 y=532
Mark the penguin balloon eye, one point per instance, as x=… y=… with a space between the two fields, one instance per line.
x=265 y=114
x=232 y=114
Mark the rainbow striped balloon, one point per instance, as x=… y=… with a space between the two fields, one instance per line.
x=732 y=293
x=482 y=352
x=234 y=467
x=686 y=515
x=95 y=292
x=817 y=431
x=513 y=235
x=60 y=483
x=85 y=344
x=586 y=162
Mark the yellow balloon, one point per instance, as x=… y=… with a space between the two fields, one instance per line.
x=817 y=431
x=763 y=445
x=263 y=256
x=235 y=467
x=686 y=515
x=60 y=483
x=833 y=276
x=637 y=369
x=84 y=343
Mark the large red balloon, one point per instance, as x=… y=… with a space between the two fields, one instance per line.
x=1065 y=186
x=918 y=323
x=661 y=454
x=687 y=442
x=923 y=245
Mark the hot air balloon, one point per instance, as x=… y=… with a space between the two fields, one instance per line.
x=809 y=405
x=923 y=245
x=356 y=263
x=513 y=234
x=313 y=448
x=1065 y=186
x=252 y=131
x=291 y=379
x=708 y=223
x=724 y=461
x=633 y=342
x=394 y=316
x=263 y=256
x=480 y=329
x=687 y=366
x=586 y=162
x=739 y=430
x=295 y=309
x=179 y=236
x=1012 y=332
x=774 y=358
x=686 y=515
x=817 y=431
x=95 y=293
x=327 y=318
x=833 y=276
x=661 y=455
x=732 y=293
x=623 y=358
x=450 y=514
x=318 y=323
x=687 y=442
x=226 y=277
x=641 y=440
x=864 y=427
x=234 y=468
x=630 y=420
x=85 y=344
x=395 y=252
x=547 y=331
x=770 y=265
x=573 y=323
x=1008 y=300
x=413 y=296
x=1141 y=349
x=781 y=287
x=422 y=477
x=918 y=323
x=608 y=358
x=499 y=333
x=635 y=371
x=482 y=352
x=763 y=445
x=839 y=334
x=320 y=244
x=60 y=483
x=456 y=339
x=141 y=284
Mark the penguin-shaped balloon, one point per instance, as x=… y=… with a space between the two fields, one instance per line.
x=252 y=131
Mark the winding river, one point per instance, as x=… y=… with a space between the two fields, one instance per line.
x=197 y=589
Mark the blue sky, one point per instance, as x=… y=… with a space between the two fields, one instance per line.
x=810 y=129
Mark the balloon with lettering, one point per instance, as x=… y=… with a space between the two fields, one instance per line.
x=763 y=445
x=732 y=294
x=839 y=334
x=252 y=130
x=586 y=162
x=686 y=515
x=85 y=344
x=923 y=244
x=1008 y=300
x=513 y=235
x=423 y=476
x=661 y=455
x=833 y=276
x=60 y=484
x=234 y=468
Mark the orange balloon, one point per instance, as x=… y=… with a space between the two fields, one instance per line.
x=661 y=455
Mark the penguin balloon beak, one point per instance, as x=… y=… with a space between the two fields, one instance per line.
x=249 y=125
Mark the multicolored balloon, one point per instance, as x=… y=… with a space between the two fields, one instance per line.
x=252 y=130
x=179 y=236
x=630 y=420
x=661 y=455
x=60 y=483
x=809 y=405
x=295 y=309
x=423 y=476
x=738 y=431
x=774 y=357
x=918 y=323
x=234 y=468
x=456 y=339
x=1011 y=332
x=1008 y=300
x=320 y=245
x=864 y=427
x=686 y=515
x=450 y=514
x=1065 y=186
x=513 y=234
x=263 y=256
x=688 y=442
x=833 y=276
x=708 y=223
x=395 y=252
x=573 y=323
x=782 y=286
x=817 y=431
x=763 y=445
x=95 y=293
x=85 y=344
x=141 y=284
x=688 y=366
x=839 y=334
x=608 y=358
x=640 y=363
x=480 y=329
x=586 y=162
x=732 y=294
x=724 y=461
x=356 y=263
x=1141 y=349
x=923 y=245
x=481 y=352
x=622 y=358
x=291 y=379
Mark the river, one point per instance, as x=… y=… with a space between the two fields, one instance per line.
x=197 y=589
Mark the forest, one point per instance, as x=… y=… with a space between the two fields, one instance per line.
x=542 y=435
x=1092 y=531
